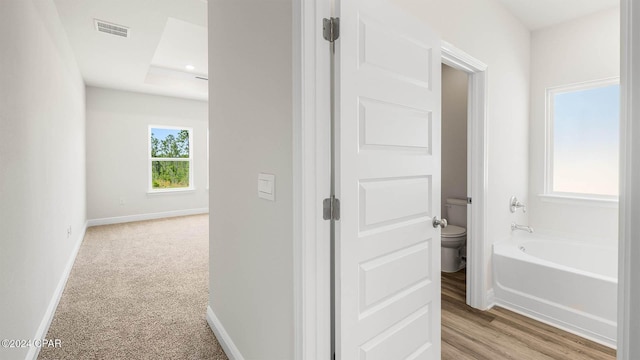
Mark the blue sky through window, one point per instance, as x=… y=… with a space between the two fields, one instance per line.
x=161 y=133
x=586 y=138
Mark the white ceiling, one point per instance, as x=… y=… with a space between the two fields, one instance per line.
x=537 y=14
x=166 y=36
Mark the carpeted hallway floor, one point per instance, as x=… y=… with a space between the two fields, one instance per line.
x=138 y=291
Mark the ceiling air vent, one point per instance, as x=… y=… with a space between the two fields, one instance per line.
x=113 y=29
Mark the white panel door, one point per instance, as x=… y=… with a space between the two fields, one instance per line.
x=388 y=182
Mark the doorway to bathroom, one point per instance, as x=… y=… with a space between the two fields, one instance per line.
x=466 y=251
x=454 y=197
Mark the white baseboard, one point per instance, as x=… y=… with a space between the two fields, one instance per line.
x=41 y=333
x=223 y=337
x=491 y=299
x=150 y=216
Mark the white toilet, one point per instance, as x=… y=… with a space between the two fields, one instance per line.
x=454 y=236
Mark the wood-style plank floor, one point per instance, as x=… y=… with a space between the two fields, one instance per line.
x=499 y=334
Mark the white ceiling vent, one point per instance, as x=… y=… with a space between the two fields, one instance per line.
x=113 y=29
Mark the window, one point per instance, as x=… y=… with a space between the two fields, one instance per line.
x=583 y=140
x=170 y=159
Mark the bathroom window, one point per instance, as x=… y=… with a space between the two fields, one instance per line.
x=583 y=139
x=170 y=159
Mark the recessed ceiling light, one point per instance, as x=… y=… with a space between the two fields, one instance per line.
x=190 y=67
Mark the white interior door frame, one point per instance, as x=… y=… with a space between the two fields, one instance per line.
x=628 y=347
x=312 y=160
x=478 y=248
x=311 y=142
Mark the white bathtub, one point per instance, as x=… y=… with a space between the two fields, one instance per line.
x=570 y=285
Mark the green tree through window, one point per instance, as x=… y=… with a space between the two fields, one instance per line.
x=170 y=158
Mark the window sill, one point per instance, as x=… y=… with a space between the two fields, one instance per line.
x=171 y=191
x=579 y=200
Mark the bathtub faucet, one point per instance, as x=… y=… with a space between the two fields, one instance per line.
x=515 y=226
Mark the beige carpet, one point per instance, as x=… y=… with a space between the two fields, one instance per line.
x=138 y=291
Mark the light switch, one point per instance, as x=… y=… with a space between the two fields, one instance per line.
x=267 y=186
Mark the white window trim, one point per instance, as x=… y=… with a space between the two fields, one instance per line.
x=191 y=187
x=580 y=199
x=566 y=197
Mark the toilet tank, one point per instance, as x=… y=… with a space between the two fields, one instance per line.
x=457 y=212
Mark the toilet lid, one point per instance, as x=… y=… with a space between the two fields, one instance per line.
x=453 y=231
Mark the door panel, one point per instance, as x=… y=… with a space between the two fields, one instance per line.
x=388 y=181
x=391 y=127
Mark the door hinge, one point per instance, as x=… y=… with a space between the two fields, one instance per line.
x=331 y=29
x=468 y=200
x=331 y=208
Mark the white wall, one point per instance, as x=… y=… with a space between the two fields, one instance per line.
x=487 y=31
x=42 y=157
x=455 y=85
x=118 y=154
x=581 y=50
x=251 y=239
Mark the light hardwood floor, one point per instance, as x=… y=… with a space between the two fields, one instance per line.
x=499 y=334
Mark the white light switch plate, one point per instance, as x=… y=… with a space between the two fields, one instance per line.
x=267 y=186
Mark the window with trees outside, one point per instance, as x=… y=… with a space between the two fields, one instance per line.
x=583 y=140
x=170 y=158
